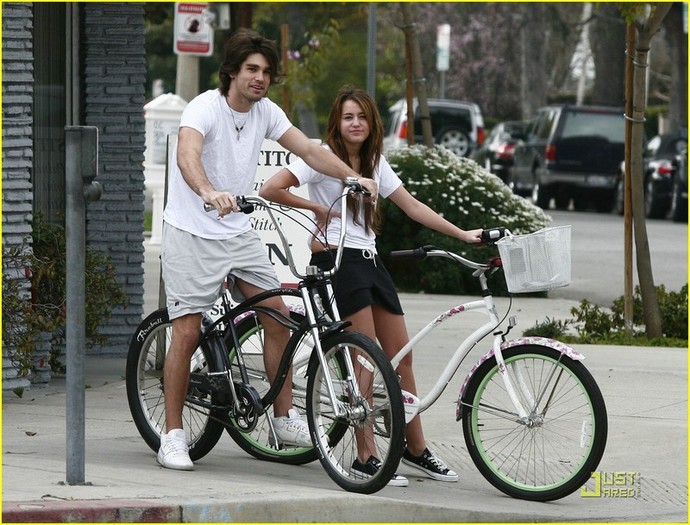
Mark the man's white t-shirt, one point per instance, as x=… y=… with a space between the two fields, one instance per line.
x=327 y=190
x=230 y=164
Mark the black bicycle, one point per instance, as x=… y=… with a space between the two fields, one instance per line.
x=341 y=379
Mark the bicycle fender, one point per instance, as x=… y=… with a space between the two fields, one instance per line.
x=536 y=341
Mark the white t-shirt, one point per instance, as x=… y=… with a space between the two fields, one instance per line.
x=230 y=163
x=327 y=190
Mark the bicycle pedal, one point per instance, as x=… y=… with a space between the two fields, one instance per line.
x=411 y=404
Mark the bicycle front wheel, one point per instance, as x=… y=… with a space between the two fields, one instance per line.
x=552 y=451
x=368 y=411
x=144 y=382
x=261 y=442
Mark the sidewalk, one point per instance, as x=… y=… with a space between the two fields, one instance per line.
x=645 y=390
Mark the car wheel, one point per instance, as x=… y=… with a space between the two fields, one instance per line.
x=619 y=200
x=679 y=205
x=653 y=205
x=454 y=140
x=541 y=195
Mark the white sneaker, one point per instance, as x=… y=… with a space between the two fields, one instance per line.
x=174 y=451
x=292 y=429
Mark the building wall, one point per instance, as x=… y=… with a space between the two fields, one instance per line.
x=114 y=62
x=17 y=153
x=113 y=65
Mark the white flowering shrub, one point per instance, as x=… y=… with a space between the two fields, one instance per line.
x=466 y=195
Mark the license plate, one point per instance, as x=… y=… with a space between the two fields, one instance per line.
x=599 y=181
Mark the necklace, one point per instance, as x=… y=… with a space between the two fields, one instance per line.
x=240 y=128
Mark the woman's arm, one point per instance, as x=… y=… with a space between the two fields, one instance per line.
x=277 y=189
x=322 y=160
x=423 y=214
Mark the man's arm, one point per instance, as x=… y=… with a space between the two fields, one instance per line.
x=322 y=160
x=190 y=143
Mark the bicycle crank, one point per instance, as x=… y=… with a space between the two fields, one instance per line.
x=245 y=414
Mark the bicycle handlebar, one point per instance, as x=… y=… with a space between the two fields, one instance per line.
x=489 y=237
x=246 y=204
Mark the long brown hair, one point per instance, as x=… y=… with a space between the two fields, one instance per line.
x=238 y=47
x=370 y=152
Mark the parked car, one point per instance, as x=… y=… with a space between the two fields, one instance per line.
x=496 y=154
x=455 y=124
x=571 y=152
x=679 y=199
x=659 y=161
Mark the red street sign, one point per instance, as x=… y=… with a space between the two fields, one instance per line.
x=193 y=29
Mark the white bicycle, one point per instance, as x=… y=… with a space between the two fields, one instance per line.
x=534 y=419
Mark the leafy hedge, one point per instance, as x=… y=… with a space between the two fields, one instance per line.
x=465 y=194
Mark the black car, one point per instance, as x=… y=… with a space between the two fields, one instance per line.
x=660 y=160
x=571 y=152
x=496 y=154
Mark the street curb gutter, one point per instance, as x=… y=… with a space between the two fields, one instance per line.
x=352 y=508
x=83 y=511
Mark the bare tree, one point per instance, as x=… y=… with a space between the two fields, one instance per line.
x=678 y=48
x=608 y=42
x=647 y=19
x=418 y=80
x=533 y=86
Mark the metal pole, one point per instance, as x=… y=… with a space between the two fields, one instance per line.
x=371 y=51
x=75 y=227
x=81 y=166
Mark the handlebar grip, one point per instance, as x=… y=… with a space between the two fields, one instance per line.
x=491 y=235
x=242 y=204
x=416 y=253
x=352 y=182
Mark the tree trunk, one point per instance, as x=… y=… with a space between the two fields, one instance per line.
x=607 y=41
x=533 y=77
x=650 y=303
x=410 y=29
x=678 y=48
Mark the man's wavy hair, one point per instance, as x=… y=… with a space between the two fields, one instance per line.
x=239 y=46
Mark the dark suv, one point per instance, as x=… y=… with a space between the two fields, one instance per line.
x=571 y=152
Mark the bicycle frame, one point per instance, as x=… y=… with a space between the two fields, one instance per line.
x=486 y=306
x=310 y=281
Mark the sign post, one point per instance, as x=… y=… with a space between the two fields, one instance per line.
x=443 y=54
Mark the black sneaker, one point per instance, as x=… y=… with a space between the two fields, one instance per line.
x=431 y=465
x=372 y=466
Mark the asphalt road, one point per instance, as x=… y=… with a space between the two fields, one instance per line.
x=598 y=255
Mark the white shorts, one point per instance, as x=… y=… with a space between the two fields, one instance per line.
x=194 y=269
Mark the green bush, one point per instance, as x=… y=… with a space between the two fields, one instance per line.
x=465 y=194
x=34 y=293
x=597 y=323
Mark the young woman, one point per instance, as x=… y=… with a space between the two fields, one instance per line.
x=365 y=293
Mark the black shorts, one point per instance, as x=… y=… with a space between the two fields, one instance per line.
x=360 y=281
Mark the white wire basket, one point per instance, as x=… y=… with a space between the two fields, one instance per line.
x=538 y=261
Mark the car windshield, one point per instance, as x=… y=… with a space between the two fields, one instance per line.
x=587 y=124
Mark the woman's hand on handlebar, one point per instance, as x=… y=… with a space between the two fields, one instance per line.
x=224 y=202
x=473 y=236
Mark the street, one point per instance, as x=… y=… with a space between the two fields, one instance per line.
x=597 y=255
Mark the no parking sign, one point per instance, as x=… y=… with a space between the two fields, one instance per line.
x=193 y=29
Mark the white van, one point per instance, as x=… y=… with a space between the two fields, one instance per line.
x=455 y=124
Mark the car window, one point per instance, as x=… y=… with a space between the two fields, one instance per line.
x=589 y=124
x=545 y=125
x=445 y=116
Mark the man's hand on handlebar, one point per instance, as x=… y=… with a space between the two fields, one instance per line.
x=224 y=202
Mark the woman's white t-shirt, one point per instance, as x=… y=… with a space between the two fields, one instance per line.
x=230 y=163
x=327 y=190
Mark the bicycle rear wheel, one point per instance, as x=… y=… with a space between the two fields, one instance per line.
x=144 y=384
x=373 y=421
x=262 y=442
x=552 y=452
